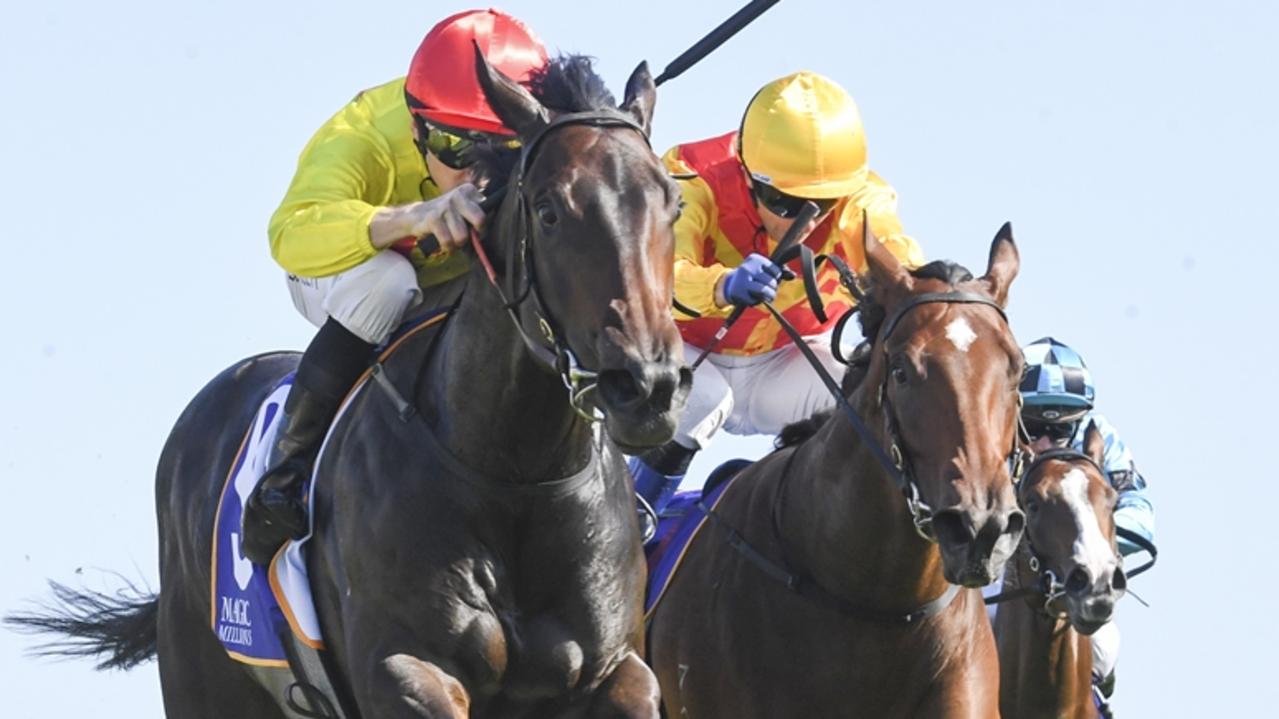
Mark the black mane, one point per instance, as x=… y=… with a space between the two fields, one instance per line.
x=569 y=83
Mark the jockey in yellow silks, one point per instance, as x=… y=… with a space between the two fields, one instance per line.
x=801 y=139
x=388 y=169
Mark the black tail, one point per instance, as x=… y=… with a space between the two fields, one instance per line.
x=121 y=627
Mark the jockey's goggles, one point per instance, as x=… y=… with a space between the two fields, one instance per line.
x=1057 y=432
x=787 y=206
x=456 y=148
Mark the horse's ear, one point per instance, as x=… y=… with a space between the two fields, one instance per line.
x=1004 y=262
x=514 y=105
x=888 y=275
x=1095 y=444
x=641 y=95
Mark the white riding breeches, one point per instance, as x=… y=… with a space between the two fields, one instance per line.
x=757 y=394
x=370 y=299
x=1105 y=650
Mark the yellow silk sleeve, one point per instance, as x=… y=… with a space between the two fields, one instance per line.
x=881 y=207
x=696 y=273
x=345 y=174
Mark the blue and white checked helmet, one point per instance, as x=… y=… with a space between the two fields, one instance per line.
x=1057 y=386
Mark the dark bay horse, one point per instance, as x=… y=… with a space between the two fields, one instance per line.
x=1068 y=566
x=825 y=600
x=482 y=558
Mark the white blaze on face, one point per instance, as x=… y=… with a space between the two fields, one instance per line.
x=1091 y=548
x=960 y=334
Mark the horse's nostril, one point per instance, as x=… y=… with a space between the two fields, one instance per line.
x=951 y=528
x=650 y=384
x=1016 y=523
x=1119 y=582
x=1079 y=581
x=619 y=387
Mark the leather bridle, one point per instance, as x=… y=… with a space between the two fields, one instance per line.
x=550 y=349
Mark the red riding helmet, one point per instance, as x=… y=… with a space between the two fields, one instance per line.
x=441 y=85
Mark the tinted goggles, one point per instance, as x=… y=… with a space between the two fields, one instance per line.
x=787 y=206
x=457 y=149
x=1055 y=431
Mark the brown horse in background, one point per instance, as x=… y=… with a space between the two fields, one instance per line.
x=828 y=599
x=1045 y=655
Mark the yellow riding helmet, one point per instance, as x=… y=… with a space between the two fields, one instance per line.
x=802 y=134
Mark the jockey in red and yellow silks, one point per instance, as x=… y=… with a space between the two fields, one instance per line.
x=720 y=225
x=389 y=168
x=801 y=139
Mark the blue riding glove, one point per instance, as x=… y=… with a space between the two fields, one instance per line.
x=752 y=282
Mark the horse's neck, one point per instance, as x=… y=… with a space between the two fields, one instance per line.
x=1045 y=665
x=845 y=521
x=492 y=405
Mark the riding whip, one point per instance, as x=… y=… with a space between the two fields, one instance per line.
x=429 y=245
x=714 y=39
x=792 y=237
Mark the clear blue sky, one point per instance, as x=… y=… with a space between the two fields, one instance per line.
x=1133 y=146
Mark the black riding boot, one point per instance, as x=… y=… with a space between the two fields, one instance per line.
x=275 y=512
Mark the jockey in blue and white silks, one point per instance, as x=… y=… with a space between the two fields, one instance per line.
x=1058 y=393
x=1058 y=396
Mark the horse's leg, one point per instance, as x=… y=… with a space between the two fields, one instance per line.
x=405 y=686
x=197 y=678
x=968 y=693
x=393 y=673
x=630 y=692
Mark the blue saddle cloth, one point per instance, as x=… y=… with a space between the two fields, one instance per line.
x=246 y=615
x=257 y=610
x=679 y=523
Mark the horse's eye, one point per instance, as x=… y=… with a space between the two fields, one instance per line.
x=899 y=373
x=1032 y=506
x=546 y=214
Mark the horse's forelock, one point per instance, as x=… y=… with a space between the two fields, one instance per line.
x=952 y=273
x=566 y=84
x=871 y=311
x=569 y=83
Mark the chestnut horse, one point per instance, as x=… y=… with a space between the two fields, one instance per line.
x=475 y=548
x=833 y=597
x=1063 y=585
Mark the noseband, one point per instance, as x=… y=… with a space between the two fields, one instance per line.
x=1049 y=585
x=550 y=350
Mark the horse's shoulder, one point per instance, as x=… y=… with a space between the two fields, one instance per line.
x=273 y=364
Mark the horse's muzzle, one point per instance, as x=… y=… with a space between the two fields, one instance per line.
x=642 y=401
x=976 y=544
x=1090 y=601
